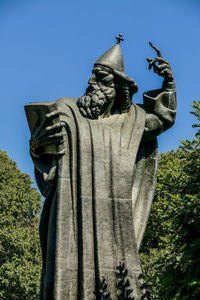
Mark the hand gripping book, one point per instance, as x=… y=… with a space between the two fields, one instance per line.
x=36 y=116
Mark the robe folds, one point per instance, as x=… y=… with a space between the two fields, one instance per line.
x=97 y=207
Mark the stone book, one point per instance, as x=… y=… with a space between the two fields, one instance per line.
x=36 y=116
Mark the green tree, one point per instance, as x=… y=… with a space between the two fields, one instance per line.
x=20 y=259
x=170 y=252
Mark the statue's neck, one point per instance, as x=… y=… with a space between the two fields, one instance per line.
x=107 y=110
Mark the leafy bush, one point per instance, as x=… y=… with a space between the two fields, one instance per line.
x=20 y=260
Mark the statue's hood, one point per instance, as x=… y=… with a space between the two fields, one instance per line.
x=112 y=59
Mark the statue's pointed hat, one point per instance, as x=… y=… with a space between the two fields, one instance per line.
x=112 y=58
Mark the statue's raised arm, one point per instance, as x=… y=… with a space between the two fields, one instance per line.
x=160 y=104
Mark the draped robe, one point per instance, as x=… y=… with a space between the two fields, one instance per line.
x=97 y=206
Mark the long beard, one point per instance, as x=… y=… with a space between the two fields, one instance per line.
x=95 y=100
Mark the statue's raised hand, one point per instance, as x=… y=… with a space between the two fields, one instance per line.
x=160 y=65
x=50 y=133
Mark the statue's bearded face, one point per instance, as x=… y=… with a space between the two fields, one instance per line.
x=100 y=93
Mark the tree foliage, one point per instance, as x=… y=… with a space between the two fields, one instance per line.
x=171 y=247
x=20 y=258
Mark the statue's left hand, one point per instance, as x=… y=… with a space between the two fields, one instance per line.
x=163 y=67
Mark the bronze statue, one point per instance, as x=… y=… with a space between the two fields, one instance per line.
x=96 y=162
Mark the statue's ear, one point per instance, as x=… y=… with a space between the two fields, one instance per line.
x=133 y=87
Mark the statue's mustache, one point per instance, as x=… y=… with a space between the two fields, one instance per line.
x=101 y=91
x=92 y=87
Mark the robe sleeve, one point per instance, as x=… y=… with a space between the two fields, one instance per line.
x=160 y=107
x=45 y=169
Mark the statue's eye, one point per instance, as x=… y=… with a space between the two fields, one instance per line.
x=101 y=74
x=108 y=78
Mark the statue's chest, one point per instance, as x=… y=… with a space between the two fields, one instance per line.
x=109 y=154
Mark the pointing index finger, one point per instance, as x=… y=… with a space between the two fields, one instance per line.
x=155 y=48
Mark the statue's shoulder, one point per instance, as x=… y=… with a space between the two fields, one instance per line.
x=66 y=100
x=138 y=107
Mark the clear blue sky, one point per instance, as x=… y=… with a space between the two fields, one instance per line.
x=48 y=48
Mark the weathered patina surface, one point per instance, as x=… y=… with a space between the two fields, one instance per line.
x=95 y=162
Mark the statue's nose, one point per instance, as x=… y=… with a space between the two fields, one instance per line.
x=92 y=79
